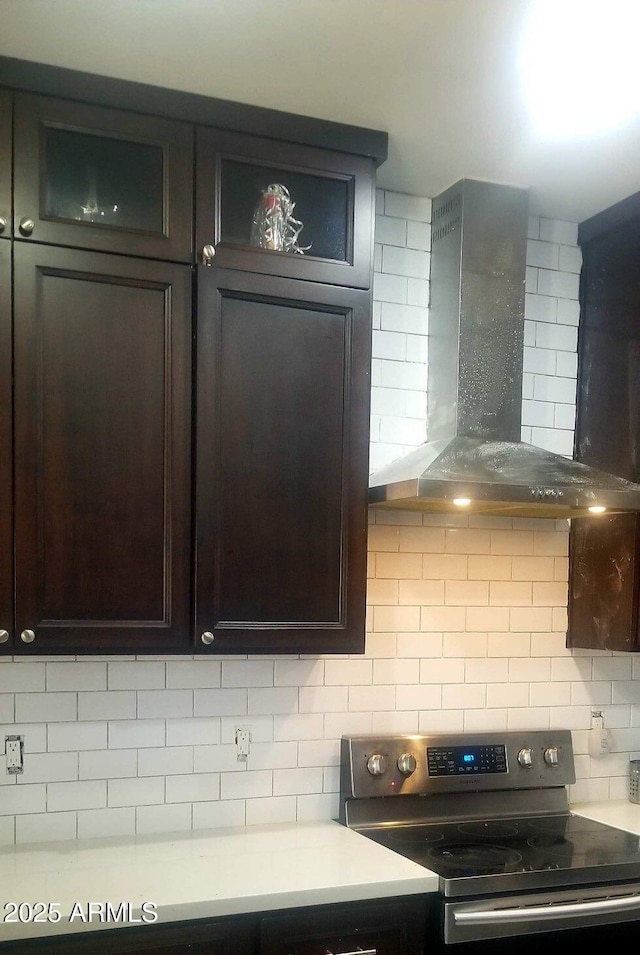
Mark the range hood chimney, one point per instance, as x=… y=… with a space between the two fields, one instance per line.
x=474 y=394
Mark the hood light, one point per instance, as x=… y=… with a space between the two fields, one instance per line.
x=597 y=509
x=462 y=501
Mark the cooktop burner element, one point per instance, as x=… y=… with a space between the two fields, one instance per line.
x=463 y=859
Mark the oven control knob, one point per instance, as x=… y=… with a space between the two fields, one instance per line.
x=407 y=764
x=525 y=757
x=551 y=756
x=377 y=765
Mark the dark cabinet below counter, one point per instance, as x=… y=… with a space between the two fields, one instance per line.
x=394 y=926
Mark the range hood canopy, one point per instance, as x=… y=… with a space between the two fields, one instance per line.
x=474 y=394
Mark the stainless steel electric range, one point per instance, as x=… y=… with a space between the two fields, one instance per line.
x=489 y=814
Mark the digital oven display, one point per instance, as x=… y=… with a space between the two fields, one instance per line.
x=466 y=760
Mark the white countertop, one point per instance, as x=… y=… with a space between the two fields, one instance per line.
x=201 y=874
x=218 y=872
x=614 y=812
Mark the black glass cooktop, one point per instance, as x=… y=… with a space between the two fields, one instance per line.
x=477 y=857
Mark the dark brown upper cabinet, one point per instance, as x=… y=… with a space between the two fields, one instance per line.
x=282 y=454
x=102 y=395
x=118 y=532
x=604 y=552
x=5 y=164
x=283 y=209
x=6 y=451
x=102 y=179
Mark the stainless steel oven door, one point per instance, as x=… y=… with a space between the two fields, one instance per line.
x=549 y=911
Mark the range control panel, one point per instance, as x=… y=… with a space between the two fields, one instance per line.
x=398 y=765
x=469 y=760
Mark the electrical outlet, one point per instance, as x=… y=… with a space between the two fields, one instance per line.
x=243 y=744
x=14 y=754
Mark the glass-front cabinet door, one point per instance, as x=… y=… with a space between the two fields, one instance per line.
x=102 y=179
x=5 y=165
x=281 y=209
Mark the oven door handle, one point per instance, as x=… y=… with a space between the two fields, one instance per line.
x=538 y=913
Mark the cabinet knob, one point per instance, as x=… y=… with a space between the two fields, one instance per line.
x=207 y=637
x=26 y=226
x=4 y=636
x=208 y=254
x=3 y=224
x=27 y=636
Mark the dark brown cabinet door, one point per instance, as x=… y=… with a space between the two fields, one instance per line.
x=102 y=179
x=380 y=928
x=282 y=463
x=604 y=552
x=280 y=209
x=6 y=453
x=102 y=452
x=5 y=163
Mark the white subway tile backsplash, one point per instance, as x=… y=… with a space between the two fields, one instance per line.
x=194 y=787
x=248 y=785
x=76 y=676
x=390 y=288
x=164 y=703
x=49 y=767
x=107 y=764
x=216 y=815
x=560 y=284
x=43 y=707
x=7 y=707
x=272 y=755
x=93 y=823
x=138 y=675
x=45 y=827
x=287 y=782
x=220 y=702
x=29 y=798
x=108 y=705
x=301 y=726
x=412 y=263
x=22 y=677
x=76 y=736
x=71 y=796
x=556 y=230
x=391 y=230
x=272 y=809
x=418 y=235
x=407 y=207
x=466 y=624
x=130 y=734
x=8 y=830
x=192 y=731
x=170 y=761
x=168 y=818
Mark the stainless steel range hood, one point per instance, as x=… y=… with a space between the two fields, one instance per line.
x=474 y=393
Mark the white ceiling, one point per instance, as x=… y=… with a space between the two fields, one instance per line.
x=442 y=77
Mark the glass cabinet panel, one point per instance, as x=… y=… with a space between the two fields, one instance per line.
x=282 y=208
x=105 y=181
x=284 y=211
